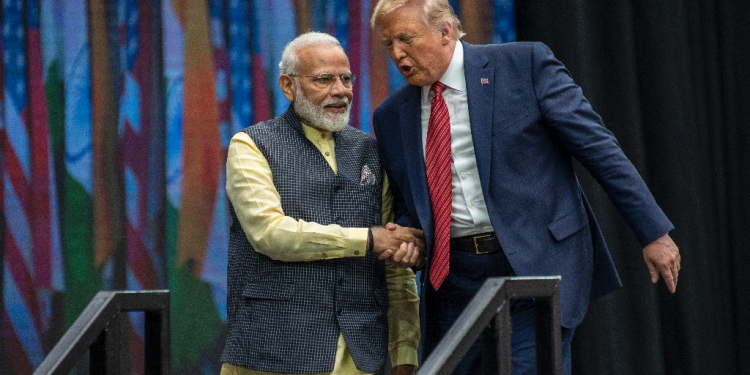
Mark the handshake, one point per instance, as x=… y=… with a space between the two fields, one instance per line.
x=400 y=246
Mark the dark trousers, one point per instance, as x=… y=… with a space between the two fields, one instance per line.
x=468 y=271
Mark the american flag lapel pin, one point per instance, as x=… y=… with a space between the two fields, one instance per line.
x=484 y=81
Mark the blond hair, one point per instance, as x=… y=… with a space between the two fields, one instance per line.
x=435 y=14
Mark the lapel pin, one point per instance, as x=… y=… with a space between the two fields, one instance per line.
x=484 y=81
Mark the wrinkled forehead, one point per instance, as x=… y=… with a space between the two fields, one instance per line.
x=318 y=59
x=406 y=19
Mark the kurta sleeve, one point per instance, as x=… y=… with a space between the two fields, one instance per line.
x=257 y=204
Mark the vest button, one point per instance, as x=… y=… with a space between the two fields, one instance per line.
x=339 y=312
x=341 y=282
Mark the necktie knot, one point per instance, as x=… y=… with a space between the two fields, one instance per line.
x=438 y=87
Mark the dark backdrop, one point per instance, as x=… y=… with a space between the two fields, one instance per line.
x=672 y=81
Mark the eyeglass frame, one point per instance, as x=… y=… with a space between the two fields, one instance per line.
x=352 y=78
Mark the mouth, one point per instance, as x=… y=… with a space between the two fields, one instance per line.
x=406 y=70
x=336 y=107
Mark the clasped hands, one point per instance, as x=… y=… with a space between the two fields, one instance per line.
x=400 y=246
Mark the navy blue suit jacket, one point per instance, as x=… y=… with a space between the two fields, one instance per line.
x=528 y=121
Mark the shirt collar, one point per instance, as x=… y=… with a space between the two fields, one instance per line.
x=454 y=76
x=314 y=134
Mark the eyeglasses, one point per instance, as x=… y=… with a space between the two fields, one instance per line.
x=325 y=80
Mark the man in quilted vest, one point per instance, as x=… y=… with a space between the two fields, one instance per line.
x=316 y=284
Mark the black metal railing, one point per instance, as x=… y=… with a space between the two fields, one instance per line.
x=100 y=329
x=490 y=307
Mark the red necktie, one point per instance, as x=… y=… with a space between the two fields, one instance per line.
x=438 y=162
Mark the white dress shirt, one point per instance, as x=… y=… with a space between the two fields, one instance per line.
x=469 y=211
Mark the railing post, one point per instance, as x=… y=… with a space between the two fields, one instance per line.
x=105 y=353
x=491 y=307
x=98 y=355
x=157 y=342
x=102 y=330
x=118 y=331
x=548 y=336
x=502 y=332
x=489 y=355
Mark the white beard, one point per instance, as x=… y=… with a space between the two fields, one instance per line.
x=315 y=116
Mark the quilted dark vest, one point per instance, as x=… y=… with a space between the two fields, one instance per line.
x=286 y=316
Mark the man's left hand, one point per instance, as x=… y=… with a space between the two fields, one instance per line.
x=663 y=256
x=407 y=255
x=403 y=370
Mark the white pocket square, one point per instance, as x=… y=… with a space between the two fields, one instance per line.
x=367 y=178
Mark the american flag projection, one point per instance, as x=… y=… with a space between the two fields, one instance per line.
x=32 y=265
x=115 y=117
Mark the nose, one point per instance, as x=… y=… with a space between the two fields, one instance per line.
x=338 y=89
x=397 y=53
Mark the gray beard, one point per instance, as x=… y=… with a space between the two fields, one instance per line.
x=315 y=116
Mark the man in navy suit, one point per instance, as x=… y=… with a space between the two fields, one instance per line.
x=479 y=148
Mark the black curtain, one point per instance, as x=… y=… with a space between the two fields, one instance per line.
x=671 y=78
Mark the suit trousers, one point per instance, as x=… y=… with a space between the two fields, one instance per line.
x=468 y=271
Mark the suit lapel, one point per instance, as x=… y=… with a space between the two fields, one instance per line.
x=480 y=88
x=411 y=134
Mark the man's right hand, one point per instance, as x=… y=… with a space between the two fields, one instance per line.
x=401 y=246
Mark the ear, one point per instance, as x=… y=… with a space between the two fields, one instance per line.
x=287 y=86
x=446 y=33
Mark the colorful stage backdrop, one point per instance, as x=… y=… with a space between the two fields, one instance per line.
x=115 y=117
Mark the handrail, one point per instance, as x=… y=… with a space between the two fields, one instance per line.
x=98 y=328
x=491 y=307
